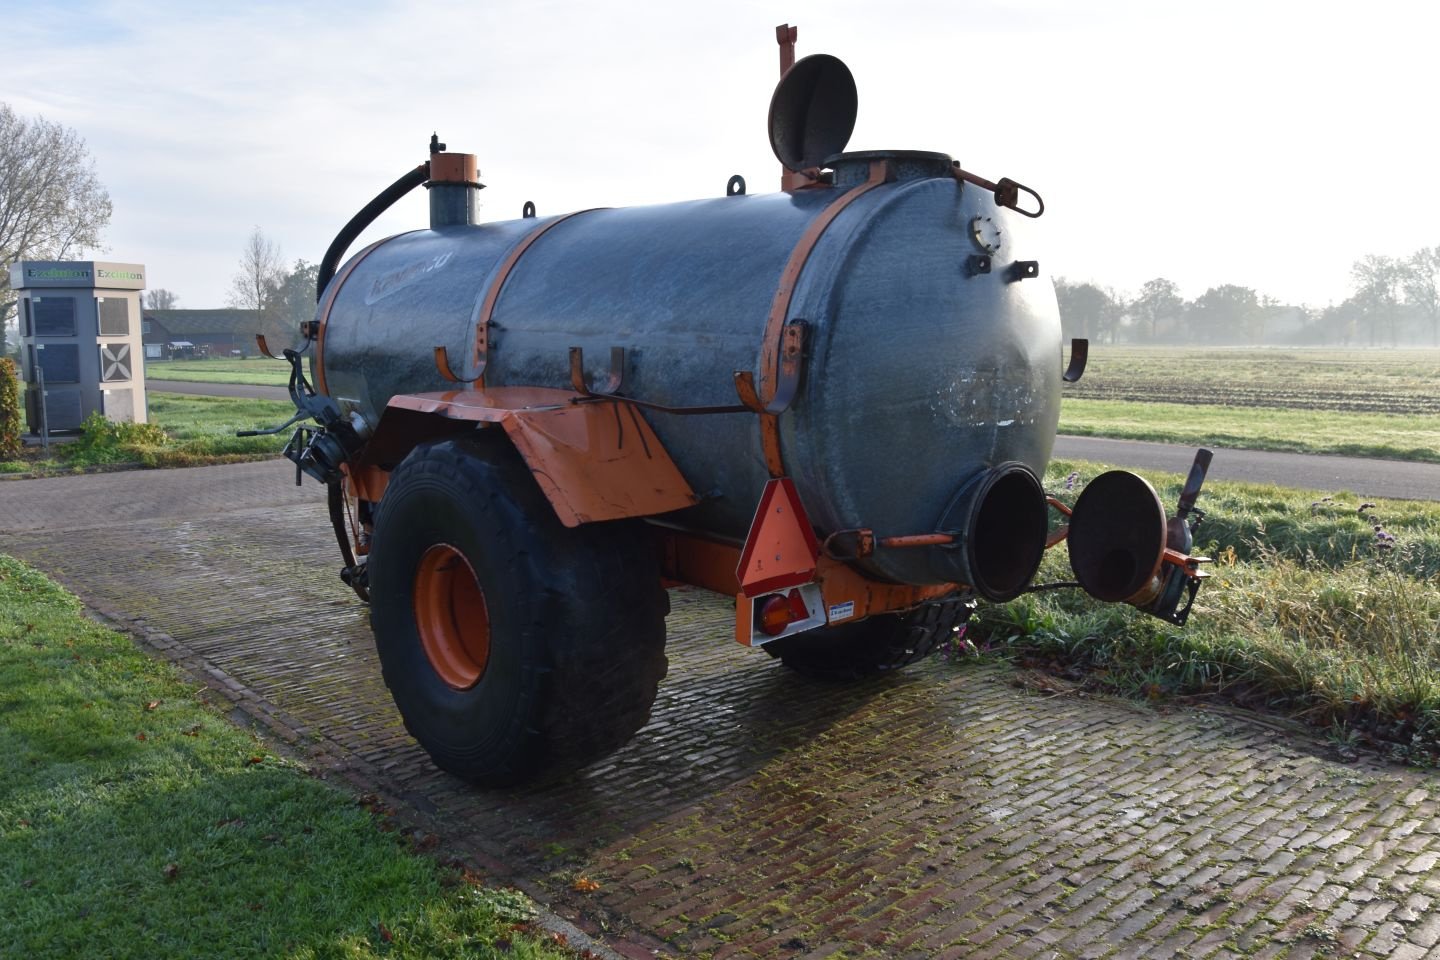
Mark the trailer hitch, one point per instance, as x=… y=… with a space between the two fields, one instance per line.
x=316 y=451
x=319 y=451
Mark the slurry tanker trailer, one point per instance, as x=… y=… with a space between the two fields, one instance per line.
x=832 y=403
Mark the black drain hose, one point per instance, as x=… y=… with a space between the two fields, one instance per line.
x=382 y=202
x=328 y=265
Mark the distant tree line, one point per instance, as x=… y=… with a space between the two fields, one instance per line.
x=1394 y=301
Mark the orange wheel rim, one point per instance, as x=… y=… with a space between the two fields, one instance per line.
x=451 y=615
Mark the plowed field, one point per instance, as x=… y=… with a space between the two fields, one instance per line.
x=1356 y=381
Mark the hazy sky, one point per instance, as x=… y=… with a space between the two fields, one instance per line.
x=1263 y=143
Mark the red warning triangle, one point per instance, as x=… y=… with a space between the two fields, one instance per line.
x=781 y=549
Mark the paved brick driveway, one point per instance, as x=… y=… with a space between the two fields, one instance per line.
x=945 y=812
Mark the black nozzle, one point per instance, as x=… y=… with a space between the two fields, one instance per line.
x=435 y=145
x=1193 y=483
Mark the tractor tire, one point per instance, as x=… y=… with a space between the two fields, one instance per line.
x=888 y=641
x=516 y=649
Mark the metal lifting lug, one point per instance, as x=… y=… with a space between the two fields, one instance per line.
x=1022 y=270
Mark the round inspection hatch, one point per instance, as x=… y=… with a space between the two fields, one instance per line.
x=986 y=234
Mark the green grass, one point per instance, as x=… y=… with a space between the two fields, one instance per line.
x=206 y=426
x=184 y=431
x=136 y=822
x=1310 y=612
x=261 y=371
x=1390 y=436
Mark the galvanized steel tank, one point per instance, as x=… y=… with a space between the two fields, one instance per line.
x=921 y=372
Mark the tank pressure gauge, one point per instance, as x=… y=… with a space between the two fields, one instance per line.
x=986 y=234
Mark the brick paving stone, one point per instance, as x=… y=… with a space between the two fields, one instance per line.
x=1407 y=951
x=938 y=812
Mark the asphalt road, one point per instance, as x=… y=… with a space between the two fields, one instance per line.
x=247 y=390
x=1367 y=478
x=1396 y=479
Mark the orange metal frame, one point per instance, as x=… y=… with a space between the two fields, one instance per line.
x=594 y=459
x=695 y=559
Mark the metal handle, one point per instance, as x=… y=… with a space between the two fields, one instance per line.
x=1007 y=192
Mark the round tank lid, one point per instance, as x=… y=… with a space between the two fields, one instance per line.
x=812 y=112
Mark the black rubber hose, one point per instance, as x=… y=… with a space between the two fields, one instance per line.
x=363 y=219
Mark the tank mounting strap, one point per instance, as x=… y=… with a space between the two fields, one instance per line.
x=481 y=354
x=779 y=354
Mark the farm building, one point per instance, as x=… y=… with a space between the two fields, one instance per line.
x=185 y=334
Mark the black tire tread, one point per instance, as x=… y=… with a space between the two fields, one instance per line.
x=587 y=599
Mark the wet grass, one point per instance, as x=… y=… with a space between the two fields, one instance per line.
x=261 y=371
x=1324 y=607
x=136 y=822
x=1384 y=435
x=184 y=431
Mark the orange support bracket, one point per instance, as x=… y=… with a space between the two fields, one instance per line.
x=781 y=549
x=786 y=35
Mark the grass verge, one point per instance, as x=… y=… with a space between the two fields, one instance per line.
x=135 y=822
x=184 y=431
x=261 y=371
x=1323 y=608
x=1383 y=435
